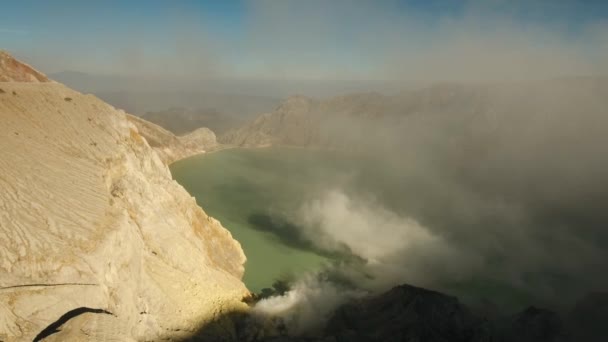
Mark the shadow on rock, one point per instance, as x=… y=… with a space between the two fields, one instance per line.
x=410 y=314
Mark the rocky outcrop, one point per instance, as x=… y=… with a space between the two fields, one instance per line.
x=97 y=242
x=408 y=313
x=405 y=313
x=588 y=318
x=170 y=147
x=12 y=70
x=181 y=120
x=294 y=122
x=200 y=137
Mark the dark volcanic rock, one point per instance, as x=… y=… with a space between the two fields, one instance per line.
x=533 y=324
x=411 y=314
x=406 y=313
x=588 y=321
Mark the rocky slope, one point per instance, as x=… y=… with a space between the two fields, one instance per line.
x=407 y=313
x=343 y=120
x=302 y=121
x=180 y=120
x=170 y=147
x=97 y=242
x=12 y=70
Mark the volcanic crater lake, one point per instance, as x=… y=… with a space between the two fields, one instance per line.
x=256 y=195
x=247 y=189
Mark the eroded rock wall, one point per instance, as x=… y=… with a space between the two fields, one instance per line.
x=91 y=218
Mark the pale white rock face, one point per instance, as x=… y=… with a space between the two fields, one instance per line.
x=171 y=148
x=91 y=218
x=201 y=137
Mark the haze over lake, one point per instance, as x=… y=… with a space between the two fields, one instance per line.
x=248 y=189
x=262 y=195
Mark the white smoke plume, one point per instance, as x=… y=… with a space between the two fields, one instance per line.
x=395 y=248
x=305 y=307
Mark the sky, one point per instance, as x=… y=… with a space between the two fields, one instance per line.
x=312 y=40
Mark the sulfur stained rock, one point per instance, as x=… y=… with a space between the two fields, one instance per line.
x=90 y=218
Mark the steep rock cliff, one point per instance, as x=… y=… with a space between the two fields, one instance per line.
x=97 y=242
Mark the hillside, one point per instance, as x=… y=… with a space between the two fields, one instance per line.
x=12 y=70
x=180 y=120
x=97 y=242
x=357 y=119
x=408 y=313
x=303 y=121
x=170 y=147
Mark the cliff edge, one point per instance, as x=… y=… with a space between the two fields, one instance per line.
x=12 y=70
x=170 y=147
x=97 y=242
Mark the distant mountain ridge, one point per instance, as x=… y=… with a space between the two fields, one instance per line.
x=179 y=106
x=304 y=121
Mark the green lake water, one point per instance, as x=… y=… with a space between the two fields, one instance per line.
x=251 y=190
x=246 y=188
